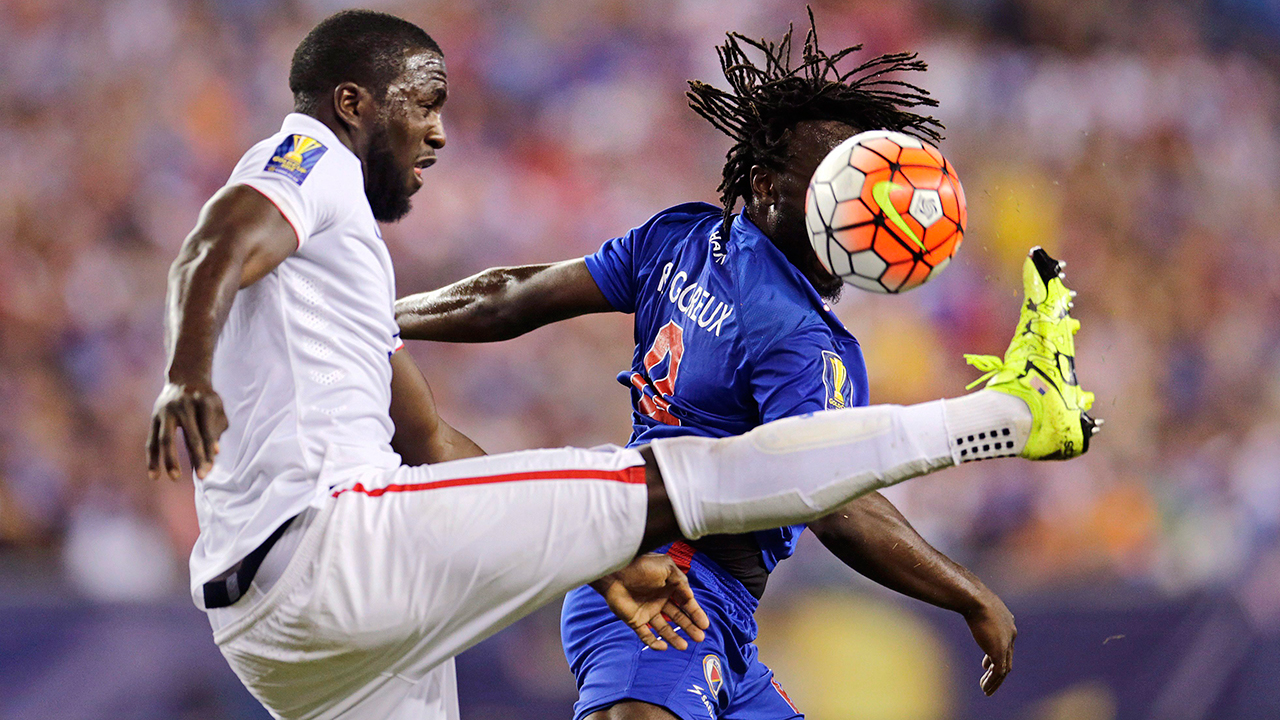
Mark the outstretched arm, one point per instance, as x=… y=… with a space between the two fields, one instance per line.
x=239 y=238
x=872 y=537
x=501 y=303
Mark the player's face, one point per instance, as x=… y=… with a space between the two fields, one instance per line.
x=811 y=141
x=408 y=134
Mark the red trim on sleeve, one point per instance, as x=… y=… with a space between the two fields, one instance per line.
x=297 y=234
x=681 y=553
x=778 y=686
x=632 y=476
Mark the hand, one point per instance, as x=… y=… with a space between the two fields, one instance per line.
x=197 y=409
x=993 y=629
x=650 y=592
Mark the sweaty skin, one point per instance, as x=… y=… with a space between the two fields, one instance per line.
x=867 y=534
x=241 y=236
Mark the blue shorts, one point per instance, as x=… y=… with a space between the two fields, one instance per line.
x=720 y=678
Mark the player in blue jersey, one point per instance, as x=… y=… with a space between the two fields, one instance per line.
x=733 y=329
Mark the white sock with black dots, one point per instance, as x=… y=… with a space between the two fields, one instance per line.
x=799 y=469
x=986 y=424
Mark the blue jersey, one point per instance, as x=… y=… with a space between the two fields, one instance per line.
x=729 y=334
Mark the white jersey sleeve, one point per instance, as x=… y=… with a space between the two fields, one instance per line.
x=300 y=176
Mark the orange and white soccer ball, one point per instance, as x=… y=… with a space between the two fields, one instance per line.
x=885 y=211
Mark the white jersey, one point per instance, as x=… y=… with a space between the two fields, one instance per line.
x=303 y=363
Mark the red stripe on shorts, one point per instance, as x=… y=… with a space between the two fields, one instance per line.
x=681 y=553
x=632 y=475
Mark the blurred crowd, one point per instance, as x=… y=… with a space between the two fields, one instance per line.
x=1138 y=141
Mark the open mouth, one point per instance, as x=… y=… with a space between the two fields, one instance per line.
x=423 y=164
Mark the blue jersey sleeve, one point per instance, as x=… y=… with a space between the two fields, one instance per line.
x=612 y=267
x=801 y=374
x=621 y=265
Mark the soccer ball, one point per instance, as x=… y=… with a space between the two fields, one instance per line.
x=885 y=211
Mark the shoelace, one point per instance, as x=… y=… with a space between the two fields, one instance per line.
x=989 y=364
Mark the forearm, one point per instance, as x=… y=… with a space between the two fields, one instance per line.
x=501 y=303
x=874 y=539
x=470 y=310
x=421 y=437
x=445 y=444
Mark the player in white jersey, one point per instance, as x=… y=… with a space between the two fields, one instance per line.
x=351 y=542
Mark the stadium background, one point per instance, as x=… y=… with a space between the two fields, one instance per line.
x=1137 y=140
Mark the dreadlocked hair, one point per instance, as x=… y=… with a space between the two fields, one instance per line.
x=766 y=102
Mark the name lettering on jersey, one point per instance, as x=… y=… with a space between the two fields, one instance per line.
x=693 y=300
x=295 y=157
x=835 y=378
x=717 y=248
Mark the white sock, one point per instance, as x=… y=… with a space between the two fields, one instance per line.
x=986 y=424
x=799 y=469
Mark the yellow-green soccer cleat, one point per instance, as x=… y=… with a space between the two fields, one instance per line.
x=1039 y=366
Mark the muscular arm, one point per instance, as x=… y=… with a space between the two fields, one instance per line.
x=501 y=303
x=239 y=238
x=421 y=436
x=873 y=538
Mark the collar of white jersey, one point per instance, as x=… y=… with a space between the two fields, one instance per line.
x=311 y=127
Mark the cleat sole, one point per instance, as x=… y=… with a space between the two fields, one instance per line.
x=1088 y=428
x=1047 y=267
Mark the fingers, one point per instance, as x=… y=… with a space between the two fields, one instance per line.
x=668 y=633
x=212 y=424
x=647 y=637
x=153 y=449
x=684 y=622
x=191 y=434
x=202 y=419
x=168 y=453
x=689 y=616
x=995 y=673
x=682 y=596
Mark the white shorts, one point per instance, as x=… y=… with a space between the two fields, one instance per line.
x=401 y=569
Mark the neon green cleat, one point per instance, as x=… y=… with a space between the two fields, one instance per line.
x=1039 y=366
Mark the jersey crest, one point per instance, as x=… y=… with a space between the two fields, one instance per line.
x=714 y=674
x=835 y=378
x=295 y=157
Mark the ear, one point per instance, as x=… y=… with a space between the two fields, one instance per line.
x=764 y=187
x=353 y=105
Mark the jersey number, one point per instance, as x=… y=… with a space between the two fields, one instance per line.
x=668 y=343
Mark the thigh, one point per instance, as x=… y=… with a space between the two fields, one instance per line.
x=405 y=568
x=436 y=558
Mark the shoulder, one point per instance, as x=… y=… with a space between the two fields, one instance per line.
x=681 y=219
x=310 y=162
x=775 y=302
x=690 y=211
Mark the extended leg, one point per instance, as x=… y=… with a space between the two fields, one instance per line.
x=798 y=469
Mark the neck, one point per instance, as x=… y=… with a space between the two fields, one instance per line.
x=798 y=252
x=330 y=119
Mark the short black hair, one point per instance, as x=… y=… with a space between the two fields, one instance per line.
x=360 y=46
x=765 y=103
